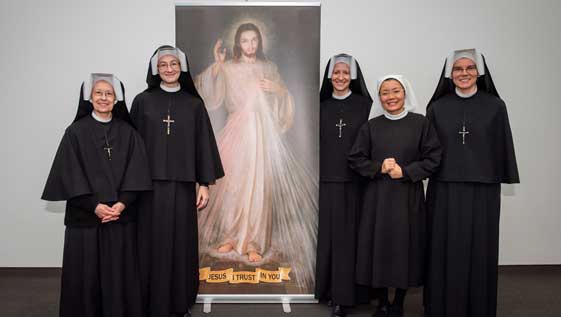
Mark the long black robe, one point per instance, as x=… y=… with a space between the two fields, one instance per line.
x=339 y=202
x=167 y=229
x=392 y=232
x=100 y=263
x=463 y=204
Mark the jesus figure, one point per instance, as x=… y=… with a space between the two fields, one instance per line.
x=267 y=200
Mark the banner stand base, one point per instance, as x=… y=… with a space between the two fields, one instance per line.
x=284 y=299
x=207 y=305
x=286 y=306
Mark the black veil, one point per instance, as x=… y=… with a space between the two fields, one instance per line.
x=357 y=86
x=185 y=79
x=446 y=86
x=120 y=110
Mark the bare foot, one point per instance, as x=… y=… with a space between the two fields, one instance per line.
x=254 y=256
x=225 y=248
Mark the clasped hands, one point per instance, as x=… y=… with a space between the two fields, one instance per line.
x=109 y=213
x=390 y=167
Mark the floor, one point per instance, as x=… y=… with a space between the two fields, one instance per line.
x=523 y=291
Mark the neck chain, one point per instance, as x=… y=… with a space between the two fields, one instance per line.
x=463 y=132
x=107 y=147
x=168 y=120
x=341 y=124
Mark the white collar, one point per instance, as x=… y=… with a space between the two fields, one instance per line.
x=398 y=116
x=170 y=89
x=462 y=95
x=99 y=119
x=341 y=97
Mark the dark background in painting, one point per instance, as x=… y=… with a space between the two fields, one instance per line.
x=292 y=42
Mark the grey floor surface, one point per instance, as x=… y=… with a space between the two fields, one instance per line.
x=523 y=291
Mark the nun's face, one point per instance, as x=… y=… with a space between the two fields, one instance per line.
x=341 y=78
x=464 y=74
x=169 y=69
x=392 y=96
x=249 y=42
x=103 y=97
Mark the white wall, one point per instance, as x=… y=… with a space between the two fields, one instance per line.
x=49 y=46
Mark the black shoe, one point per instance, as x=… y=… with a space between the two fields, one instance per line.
x=329 y=303
x=338 y=311
x=187 y=314
x=382 y=311
x=396 y=311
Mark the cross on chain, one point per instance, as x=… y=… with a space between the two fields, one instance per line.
x=340 y=125
x=463 y=133
x=168 y=121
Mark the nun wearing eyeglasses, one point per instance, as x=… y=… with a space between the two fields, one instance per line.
x=99 y=169
x=395 y=150
x=184 y=160
x=463 y=197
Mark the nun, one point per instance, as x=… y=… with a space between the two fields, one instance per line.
x=99 y=169
x=463 y=197
x=396 y=149
x=183 y=157
x=345 y=105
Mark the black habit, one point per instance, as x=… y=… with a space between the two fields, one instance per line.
x=181 y=153
x=392 y=232
x=463 y=202
x=100 y=273
x=339 y=202
x=340 y=192
x=463 y=199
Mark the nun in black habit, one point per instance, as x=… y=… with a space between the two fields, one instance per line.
x=99 y=168
x=345 y=104
x=463 y=197
x=182 y=152
x=396 y=149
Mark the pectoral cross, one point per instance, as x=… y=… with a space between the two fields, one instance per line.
x=108 y=149
x=340 y=125
x=168 y=121
x=463 y=133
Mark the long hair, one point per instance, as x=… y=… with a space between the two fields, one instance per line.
x=237 y=50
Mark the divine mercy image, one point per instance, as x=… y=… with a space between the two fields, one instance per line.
x=262 y=215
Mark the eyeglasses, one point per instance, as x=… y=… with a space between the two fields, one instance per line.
x=102 y=93
x=173 y=65
x=471 y=69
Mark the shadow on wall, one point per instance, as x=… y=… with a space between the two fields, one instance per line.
x=55 y=206
x=508 y=190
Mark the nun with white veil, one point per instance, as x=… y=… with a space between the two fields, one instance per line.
x=396 y=149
